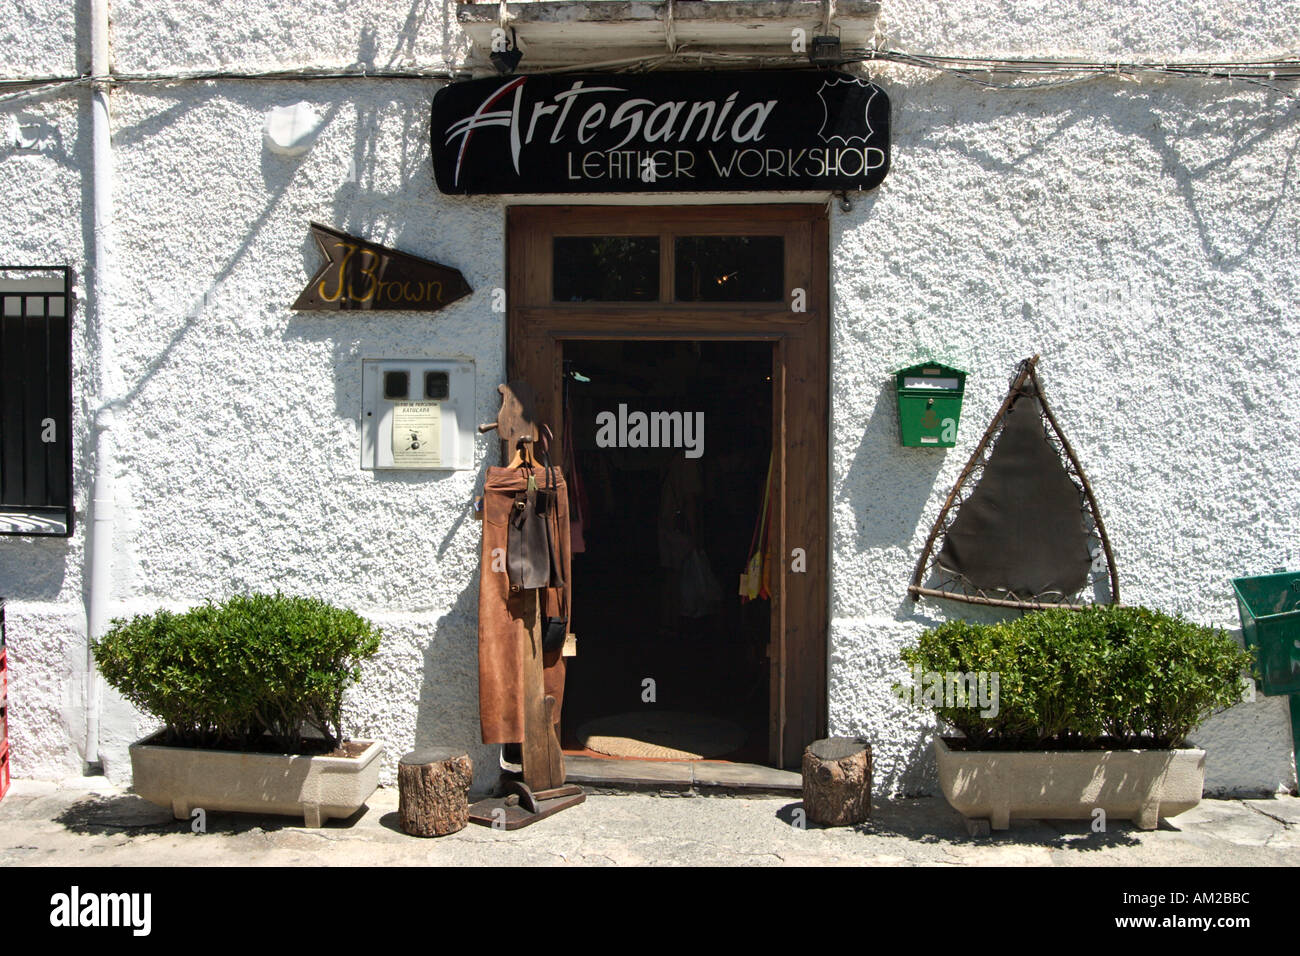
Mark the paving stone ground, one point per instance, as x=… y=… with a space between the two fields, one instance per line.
x=89 y=823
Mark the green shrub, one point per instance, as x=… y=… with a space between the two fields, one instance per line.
x=1102 y=677
x=223 y=675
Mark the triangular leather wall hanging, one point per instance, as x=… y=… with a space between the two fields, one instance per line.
x=1021 y=527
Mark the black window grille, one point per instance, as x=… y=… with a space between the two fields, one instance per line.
x=35 y=400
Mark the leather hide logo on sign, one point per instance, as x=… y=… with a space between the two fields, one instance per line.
x=359 y=275
x=660 y=132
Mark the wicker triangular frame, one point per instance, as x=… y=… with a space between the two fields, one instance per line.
x=955 y=588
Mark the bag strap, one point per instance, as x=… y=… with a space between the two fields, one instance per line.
x=760 y=526
x=545 y=436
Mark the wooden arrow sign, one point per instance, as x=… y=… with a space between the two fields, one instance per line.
x=359 y=275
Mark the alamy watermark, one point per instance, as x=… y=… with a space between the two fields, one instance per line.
x=74 y=909
x=974 y=689
x=624 y=429
x=1126 y=298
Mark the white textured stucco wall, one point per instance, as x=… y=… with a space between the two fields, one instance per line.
x=1143 y=240
x=39 y=38
x=242 y=440
x=200 y=34
x=1141 y=237
x=45 y=190
x=1109 y=29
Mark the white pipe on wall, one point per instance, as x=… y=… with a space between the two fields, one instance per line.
x=100 y=542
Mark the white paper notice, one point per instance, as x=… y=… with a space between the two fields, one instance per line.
x=417 y=434
x=916 y=381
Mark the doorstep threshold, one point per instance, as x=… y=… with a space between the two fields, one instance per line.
x=718 y=775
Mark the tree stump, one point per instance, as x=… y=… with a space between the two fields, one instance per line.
x=433 y=791
x=837 y=781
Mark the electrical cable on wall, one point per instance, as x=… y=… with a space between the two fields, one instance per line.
x=980 y=70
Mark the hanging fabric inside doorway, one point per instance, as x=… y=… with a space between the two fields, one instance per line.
x=755 y=580
x=578 y=507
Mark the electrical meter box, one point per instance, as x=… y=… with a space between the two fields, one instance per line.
x=929 y=404
x=417 y=414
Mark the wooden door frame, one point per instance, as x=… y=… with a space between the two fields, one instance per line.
x=537 y=327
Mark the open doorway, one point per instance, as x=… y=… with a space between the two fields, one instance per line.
x=691 y=300
x=672 y=658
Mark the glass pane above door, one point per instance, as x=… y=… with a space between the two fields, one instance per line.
x=729 y=268
x=605 y=269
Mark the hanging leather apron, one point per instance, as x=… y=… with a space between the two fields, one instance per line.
x=501 y=626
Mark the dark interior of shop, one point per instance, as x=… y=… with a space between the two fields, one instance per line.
x=657 y=524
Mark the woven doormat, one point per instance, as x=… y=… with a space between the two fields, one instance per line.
x=662 y=735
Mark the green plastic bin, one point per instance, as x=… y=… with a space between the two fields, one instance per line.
x=1270 y=622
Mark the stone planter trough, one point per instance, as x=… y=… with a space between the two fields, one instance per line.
x=317 y=788
x=990 y=787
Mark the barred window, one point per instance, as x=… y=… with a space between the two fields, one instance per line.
x=35 y=401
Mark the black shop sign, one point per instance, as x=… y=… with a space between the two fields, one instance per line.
x=660 y=132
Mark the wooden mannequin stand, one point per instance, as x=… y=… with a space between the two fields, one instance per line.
x=542 y=791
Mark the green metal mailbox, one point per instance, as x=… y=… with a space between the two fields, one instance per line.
x=1270 y=622
x=929 y=404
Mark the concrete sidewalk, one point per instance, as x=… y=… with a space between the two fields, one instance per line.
x=85 y=822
